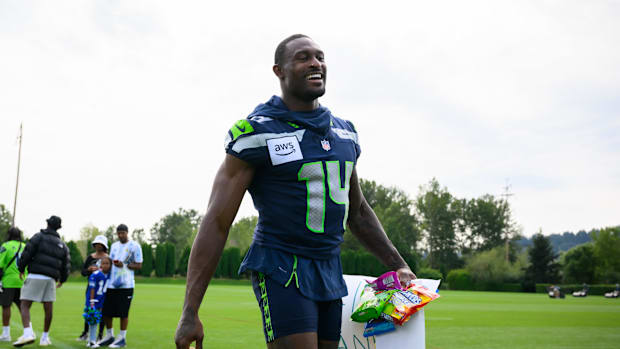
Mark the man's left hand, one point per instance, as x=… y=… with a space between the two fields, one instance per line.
x=59 y=284
x=118 y=264
x=405 y=275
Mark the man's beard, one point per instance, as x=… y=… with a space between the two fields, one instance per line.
x=309 y=95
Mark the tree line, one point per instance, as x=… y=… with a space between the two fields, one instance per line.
x=470 y=242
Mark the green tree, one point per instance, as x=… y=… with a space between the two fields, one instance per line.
x=110 y=234
x=488 y=222
x=491 y=266
x=176 y=228
x=6 y=221
x=170 y=259
x=607 y=252
x=438 y=215
x=184 y=261
x=579 y=264
x=147 y=260
x=241 y=233
x=394 y=209
x=76 y=257
x=138 y=235
x=543 y=267
x=160 y=260
x=89 y=231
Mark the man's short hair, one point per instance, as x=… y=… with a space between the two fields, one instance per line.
x=281 y=49
x=122 y=227
x=14 y=234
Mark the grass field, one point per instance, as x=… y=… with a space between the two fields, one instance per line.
x=457 y=320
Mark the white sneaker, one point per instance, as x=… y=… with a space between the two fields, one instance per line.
x=45 y=342
x=6 y=338
x=92 y=345
x=23 y=340
x=105 y=341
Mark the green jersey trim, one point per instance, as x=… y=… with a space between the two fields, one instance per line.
x=241 y=127
x=260 y=140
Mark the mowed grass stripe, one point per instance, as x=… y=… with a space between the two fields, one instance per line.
x=457 y=320
x=520 y=320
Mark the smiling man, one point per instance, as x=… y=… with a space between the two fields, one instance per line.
x=297 y=160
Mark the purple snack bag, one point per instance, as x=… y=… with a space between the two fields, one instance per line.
x=387 y=281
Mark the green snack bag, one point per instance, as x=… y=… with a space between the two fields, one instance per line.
x=371 y=305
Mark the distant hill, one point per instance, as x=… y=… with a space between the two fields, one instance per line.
x=561 y=242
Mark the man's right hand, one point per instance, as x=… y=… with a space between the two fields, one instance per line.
x=189 y=330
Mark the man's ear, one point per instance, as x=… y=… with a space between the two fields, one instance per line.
x=278 y=71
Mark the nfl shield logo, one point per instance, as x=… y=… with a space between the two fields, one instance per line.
x=325 y=145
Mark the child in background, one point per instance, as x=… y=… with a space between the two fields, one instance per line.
x=95 y=296
x=100 y=244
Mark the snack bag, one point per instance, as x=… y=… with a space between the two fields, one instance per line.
x=379 y=326
x=371 y=305
x=423 y=293
x=401 y=305
x=387 y=281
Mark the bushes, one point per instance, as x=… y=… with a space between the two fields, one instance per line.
x=229 y=263
x=170 y=259
x=459 y=279
x=361 y=263
x=147 y=260
x=428 y=273
x=76 y=256
x=184 y=261
x=160 y=260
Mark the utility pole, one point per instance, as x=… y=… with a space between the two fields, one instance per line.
x=19 y=160
x=507 y=194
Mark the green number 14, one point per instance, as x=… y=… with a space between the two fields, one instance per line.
x=314 y=175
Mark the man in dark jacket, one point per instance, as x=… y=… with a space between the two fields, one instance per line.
x=47 y=258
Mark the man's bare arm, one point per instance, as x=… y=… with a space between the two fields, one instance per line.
x=230 y=184
x=366 y=227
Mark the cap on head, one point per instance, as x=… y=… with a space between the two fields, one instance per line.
x=281 y=49
x=100 y=239
x=54 y=222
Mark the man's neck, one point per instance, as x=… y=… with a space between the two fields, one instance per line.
x=296 y=104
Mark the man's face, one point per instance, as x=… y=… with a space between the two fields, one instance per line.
x=122 y=236
x=303 y=71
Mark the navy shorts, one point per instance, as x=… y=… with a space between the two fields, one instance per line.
x=286 y=311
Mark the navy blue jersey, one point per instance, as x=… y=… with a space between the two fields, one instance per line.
x=99 y=282
x=303 y=164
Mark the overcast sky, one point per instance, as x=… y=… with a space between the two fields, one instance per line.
x=125 y=104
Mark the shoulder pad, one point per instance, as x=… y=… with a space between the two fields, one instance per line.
x=241 y=127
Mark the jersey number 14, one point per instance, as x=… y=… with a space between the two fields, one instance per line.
x=314 y=175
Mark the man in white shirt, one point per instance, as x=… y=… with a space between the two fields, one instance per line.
x=126 y=257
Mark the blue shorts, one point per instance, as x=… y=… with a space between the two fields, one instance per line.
x=286 y=311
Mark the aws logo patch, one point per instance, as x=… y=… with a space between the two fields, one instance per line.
x=283 y=150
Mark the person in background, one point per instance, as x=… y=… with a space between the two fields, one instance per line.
x=48 y=261
x=95 y=297
x=126 y=258
x=100 y=244
x=11 y=283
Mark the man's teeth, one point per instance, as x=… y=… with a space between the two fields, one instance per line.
x=313 y=76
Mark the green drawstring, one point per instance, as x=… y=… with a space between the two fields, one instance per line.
x=294 y=273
